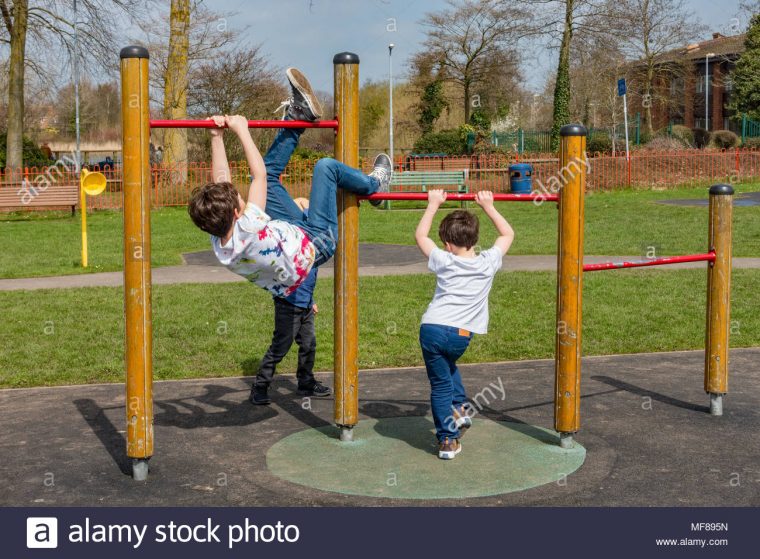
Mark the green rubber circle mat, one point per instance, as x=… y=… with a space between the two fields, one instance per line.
x=397 y=458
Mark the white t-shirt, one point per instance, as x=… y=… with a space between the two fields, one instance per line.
x=461 y=290
x=271 y=253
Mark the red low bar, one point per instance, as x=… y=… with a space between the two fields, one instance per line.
x=708 y=257
x=251 y=124
x=462 y=197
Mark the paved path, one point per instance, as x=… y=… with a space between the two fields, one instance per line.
x=374 y=260
x=649 y=439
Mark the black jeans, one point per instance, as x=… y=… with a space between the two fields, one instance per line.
x=291 y=323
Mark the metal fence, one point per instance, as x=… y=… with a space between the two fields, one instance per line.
x=750 y=128
x=539 y=141
x=172 y=185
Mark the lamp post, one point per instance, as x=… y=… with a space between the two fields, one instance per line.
x=707 y=89
x=76 y=89
x=390 y=101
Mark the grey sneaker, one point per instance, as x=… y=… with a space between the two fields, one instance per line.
x=382 y=171
x=302 y=103
x=462 y=420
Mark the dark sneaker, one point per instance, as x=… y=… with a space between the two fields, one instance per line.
x=449 y=448
x=303 y=103
x=382 y=171
x=316 y=390
x=461 y=420
x=259 y=396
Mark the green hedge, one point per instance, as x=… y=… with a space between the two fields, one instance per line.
x=33 y=156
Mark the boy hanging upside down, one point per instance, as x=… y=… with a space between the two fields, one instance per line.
x=269 y=240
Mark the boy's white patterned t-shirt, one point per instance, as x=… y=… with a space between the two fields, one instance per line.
x=271 y=253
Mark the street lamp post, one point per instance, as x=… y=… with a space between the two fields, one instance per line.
x=390 y=102
x=707 y=89
x=76 y=90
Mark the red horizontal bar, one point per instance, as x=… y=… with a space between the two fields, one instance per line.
x=709 y=257
x=251 y=124
x=462 y=197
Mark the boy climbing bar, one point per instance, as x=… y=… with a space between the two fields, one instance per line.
x=269 y=240
x=459 y=308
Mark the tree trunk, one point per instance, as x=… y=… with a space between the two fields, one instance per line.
x=650 y=100
x=466 y=101
x=15 y=137
x=561 y=114
x=175 y=89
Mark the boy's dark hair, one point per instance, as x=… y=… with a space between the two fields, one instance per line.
x=460 y=228
x=212 y=207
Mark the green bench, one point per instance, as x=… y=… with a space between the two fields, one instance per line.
x=450 y=181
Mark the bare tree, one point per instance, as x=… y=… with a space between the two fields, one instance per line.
x=176 y=82
x=236 y=82
x=45 y=28
x=567 y=24
x=239 y=81
x=16 y=23
x=194 y=35
x=594 y=67
x=472 y=42
x=648 y=29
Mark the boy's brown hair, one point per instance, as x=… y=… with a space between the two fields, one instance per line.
x=212 y=207
x=460 y=228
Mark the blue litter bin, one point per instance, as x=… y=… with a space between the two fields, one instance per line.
x=521 y=178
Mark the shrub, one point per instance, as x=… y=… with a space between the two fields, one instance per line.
x=479 y=119
x=665 y=143
x=33 y=156
x=308 y=154
x=751 y=142
x=599 y=142
x=450 y=142
x=724 y=139
x=487 y=148
x=701 y=137
x=680 y=132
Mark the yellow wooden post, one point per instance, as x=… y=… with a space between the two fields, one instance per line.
x=718 y=296
x=346 y=327
x=137 y=276
x=572 y=176
x=83 y=213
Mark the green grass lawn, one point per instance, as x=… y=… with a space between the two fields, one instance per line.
x=624 y=222
x=55 y=337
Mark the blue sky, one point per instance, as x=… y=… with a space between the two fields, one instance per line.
x=307 y=33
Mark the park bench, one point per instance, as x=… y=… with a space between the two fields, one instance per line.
x=18 y=195
x=450 y=181
x=426 y=159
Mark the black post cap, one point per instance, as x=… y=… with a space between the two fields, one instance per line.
x=134 y=51
x=721 y=190
x=573 y=130
x=346 y=58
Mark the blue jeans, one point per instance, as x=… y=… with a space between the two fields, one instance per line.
x=441 y=347
x=321 y=224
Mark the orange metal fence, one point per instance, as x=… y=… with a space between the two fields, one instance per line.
x=173 y=184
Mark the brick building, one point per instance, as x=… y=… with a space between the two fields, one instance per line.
x=678 y=93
